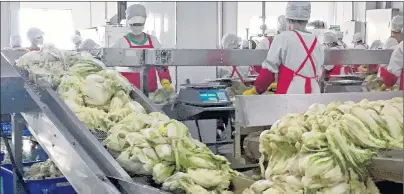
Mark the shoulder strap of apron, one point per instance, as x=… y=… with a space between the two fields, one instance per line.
x=308 y=57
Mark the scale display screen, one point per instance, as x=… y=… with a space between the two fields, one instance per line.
x=213 y=96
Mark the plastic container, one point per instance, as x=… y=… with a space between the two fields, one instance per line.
x=7 y=129
x=46 y=186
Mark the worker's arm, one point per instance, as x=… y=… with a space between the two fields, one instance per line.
x=392 y=71
x=270 y=65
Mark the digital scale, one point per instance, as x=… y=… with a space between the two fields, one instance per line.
x=204 y=95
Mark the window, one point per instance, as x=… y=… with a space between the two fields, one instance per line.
x=57 y=25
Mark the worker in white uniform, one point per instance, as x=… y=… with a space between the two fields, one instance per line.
x=394 y=70
x=89 y=44
x=340 y=36
x=137 y=39
x=395 y=38
x=396 y=35
x=295 y=56
x=331 y=42
x=232 y=41
x=35 y=36
x=77 y=40
x=357 y=40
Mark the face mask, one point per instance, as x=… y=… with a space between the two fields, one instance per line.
x=136 y=30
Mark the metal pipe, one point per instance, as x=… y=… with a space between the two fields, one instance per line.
x=263 y=18
x=106 y=11
x=220 y=28
x=121 y=5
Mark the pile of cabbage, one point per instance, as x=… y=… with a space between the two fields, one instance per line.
x=142 y=143
x=43 y=170
x=326 y=149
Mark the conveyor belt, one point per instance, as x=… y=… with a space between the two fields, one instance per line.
x=82 y=159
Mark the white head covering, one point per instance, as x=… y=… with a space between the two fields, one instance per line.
x=89 y=44
x=230 y=41
x=339 y=34
x=76 y=39
x=357 y=37
x=136 y=13
x=34 y=33
x=15 y=41
x=376 y=44
x=397 y=24
x=298 y=10
x=330 y=37
x=282 y=24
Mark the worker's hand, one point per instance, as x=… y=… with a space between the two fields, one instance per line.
x=384 y=87
x=274 y=85
x=166 y=84
x=363 y=69
x=251 y=91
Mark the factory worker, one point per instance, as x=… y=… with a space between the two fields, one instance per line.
x=77 y=40
x=281 y=27
x=137 y=39
x=340 y=36
x=396 y=34
x=35 y=36
x=295 y=55
x=394 y=69
x=331 y=42
x=231 y=41
x=357 y=40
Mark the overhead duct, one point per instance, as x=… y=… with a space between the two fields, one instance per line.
x=122 y=5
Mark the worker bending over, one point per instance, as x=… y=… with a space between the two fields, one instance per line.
x=137 y=39
x=394 y=70
x=331 y=42
x=295 y=55
x=35 y=36
x=357 y=40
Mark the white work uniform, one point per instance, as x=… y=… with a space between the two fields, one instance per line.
x=390 y=43
x=288 y=51
x=395 y=65
x=264 y=43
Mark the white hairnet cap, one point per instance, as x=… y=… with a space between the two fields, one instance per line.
x=230 y=41
x=76 y=39
x=298 y=10
x=357 y=37
x=88 y=44
x=329 y=37
x=15 y=40
x=397 y=23
x=136 y=13
x=34 y=33
x=282 y=24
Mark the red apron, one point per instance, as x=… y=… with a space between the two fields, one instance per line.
x=255 y=69
x=134 y=77
x=235 y=71
x=390 y=79
x=286 y=75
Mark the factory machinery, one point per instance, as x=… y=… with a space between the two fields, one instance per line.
x=90 y=168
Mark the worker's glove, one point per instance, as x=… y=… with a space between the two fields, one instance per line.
x=273 y=86
x=251 y=91
x=384 y=87
x=166 y=84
